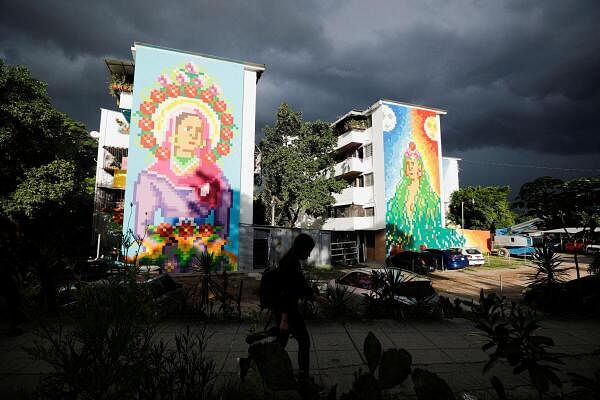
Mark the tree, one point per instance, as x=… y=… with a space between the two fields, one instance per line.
x=570 y=204
x=297 y=167
x=46 y=165
x=484 y=207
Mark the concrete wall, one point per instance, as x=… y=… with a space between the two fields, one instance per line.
x=279 y=242
x=247 y=164
x=378 y=169
x=450 y=182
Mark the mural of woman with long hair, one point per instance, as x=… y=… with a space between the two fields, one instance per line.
x=414 y=211
x=413 y=206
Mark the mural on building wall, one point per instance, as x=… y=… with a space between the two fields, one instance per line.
x=412 y=180
x=184 y=159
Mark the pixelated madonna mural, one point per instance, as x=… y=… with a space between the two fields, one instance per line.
x=183 y=173
x=412 y=180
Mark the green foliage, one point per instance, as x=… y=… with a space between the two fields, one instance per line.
x=44 y=189
x=586 y=388
x=510 y=330
x=372 y=350
x=429 y=386
x=364 y=387
x=560 y=203
x=539 y=198
x=118 y=84
x=548 y=271
x=484 y=207
x=46 y=162
x=297 y=167
x=106 y=348
x=393 y=367
x=574 y=203
x=337 y=302
x=33 y=133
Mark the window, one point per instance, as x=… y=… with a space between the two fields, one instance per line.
x=359 y=153
x=368 y=150
x=369 y=211
x=342 y=212
x=360 y=181
x=368 y=180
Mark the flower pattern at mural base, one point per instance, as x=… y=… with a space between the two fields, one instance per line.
x=174 y=246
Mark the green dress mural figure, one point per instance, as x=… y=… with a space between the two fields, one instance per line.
x=413 y=215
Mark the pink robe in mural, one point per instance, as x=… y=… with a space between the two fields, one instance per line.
x=191 y=195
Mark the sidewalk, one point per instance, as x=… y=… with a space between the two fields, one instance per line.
x=450 y=348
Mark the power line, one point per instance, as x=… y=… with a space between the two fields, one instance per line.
x=531 y=166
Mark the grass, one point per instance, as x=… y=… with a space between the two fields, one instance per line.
x=495 y=262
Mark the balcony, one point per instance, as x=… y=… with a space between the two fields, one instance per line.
x=351 y=166
x=349 y=224
x=355 y=195
x=352 y=139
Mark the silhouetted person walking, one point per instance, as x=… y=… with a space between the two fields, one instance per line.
x=293 y=287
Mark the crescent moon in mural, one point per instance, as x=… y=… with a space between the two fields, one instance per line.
x=389 y=118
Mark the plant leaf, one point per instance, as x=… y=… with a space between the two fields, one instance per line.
x=372 y=350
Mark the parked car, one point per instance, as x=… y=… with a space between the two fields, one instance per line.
x=473 y=255
x=449 y=258
x=592 y=248
x=415 y=261
x=414 y=289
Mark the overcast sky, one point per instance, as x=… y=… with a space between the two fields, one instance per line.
x=520 y=79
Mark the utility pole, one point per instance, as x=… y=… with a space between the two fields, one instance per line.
x=462 y=213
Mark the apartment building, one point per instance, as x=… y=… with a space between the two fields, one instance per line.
x=374 y=149
x=175 y=163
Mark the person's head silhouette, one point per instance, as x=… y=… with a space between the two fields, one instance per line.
x=303 y=246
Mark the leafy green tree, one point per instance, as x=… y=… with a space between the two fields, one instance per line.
x=538 y=199
x=570 y=204
x=484 y=207
x=46 y=165
x=297 y=167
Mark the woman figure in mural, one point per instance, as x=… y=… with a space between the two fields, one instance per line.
x=183 y=182
x=413 y=214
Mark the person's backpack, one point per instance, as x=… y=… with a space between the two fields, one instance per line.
x=270 y=288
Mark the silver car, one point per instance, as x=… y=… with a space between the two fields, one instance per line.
x=410 y=289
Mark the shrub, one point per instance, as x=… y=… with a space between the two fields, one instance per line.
x=510 y=330
x=105 y=348
x=548 y=270
x=337 y=302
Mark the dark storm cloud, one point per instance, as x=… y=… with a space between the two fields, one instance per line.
x=512 y=74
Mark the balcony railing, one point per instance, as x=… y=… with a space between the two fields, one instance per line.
x=355 y=195
x=349 y=224
x=350 y=166
x=352 y=139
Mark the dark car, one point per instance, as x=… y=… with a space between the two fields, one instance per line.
x=415 y=261
x=449 y=258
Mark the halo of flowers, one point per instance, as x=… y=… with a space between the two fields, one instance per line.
x=190 y=82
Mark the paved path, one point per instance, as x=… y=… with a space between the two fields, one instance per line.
x=450 y=348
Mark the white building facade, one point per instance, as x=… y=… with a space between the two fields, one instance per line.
x=359 y=213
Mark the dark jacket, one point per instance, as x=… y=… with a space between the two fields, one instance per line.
x=293 y=284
